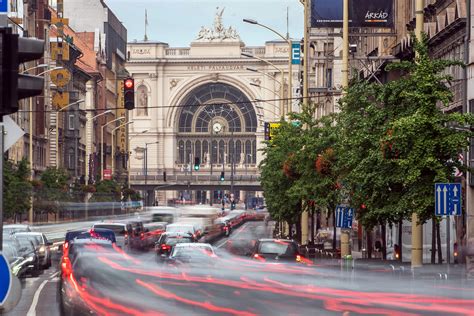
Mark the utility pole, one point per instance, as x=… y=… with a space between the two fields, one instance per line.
x=345 y=234
x=306 y=3
x=416 y=228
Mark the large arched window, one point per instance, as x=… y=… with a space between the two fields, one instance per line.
x=220 y=121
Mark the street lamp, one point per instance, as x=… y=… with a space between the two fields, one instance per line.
x=113 y=145
x=57 y=127
x=277 y=68
x=146 y=169
x=288 y=41
x=129 y=153
x=102 y=145
x=88 y=149
x=49 y=70
x=252 y=69
x=37 y=66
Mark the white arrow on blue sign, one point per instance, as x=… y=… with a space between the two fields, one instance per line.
x=448 y=199
x=344 y=216
x=6 y=277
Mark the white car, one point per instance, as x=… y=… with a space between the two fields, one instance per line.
x=123 y=232
x=194 y=254
x=16 y=228
x=183 y=228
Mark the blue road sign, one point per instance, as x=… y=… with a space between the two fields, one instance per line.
x=344 y=216
x=448 y=199
x=295 y=53
x=3 y=6
x=6 y=277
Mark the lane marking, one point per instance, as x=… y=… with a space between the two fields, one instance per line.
x=32 y=310
x=232 y=235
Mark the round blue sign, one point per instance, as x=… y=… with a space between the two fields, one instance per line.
x=6 y=277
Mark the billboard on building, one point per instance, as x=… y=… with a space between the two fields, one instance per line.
x=362 y=13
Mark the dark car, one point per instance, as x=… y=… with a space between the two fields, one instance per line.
x=167 y=241
x=276 y=250
x=27 y=250
x=153 y=232
x=137 y=238
x=95 y=233
x=89 y=249
x=18 y=264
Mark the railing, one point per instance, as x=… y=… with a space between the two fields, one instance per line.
x=178 y=52
x=256 y=51
x=194 y=178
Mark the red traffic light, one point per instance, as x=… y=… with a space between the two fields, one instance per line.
x=128 y=83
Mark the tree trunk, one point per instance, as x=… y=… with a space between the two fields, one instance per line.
x=369 y=244
x=384 y=241
x=311 y=234
x=433 y=240
x=438 y=237
x=298 y=228
x=334 y=242
x=400 y=239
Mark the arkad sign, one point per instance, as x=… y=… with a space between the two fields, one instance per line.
x=215 y=67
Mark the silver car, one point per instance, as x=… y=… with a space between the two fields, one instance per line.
x=42 y=245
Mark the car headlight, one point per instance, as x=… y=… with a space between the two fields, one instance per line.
x=42 y=249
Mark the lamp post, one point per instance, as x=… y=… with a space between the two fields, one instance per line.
x=88 y=143
x=282 y=111
x=57 y=128
x=113 y=145
x=146 y=170
x=102 y=145
x=290 y=68
x=129 y=153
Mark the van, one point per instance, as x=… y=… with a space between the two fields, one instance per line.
x=123 y=232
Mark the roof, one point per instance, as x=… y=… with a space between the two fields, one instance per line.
x=193 y=245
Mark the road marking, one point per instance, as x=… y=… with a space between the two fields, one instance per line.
x=53 y=275
x=232 y=235
x=32 y=310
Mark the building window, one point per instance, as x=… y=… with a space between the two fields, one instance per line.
x=70 y=159
x=181 y=151
x=71 y=122
x=328 y=78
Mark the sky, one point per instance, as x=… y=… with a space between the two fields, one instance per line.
x=177 y=22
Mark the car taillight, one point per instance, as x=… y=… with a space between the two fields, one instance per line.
x=66 y=267
x=165 y=247
x=142 y=235
x=126 y=235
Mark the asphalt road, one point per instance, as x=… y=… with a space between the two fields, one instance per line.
x=235 y=285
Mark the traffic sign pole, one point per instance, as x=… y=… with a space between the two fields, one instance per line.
x=1 y=185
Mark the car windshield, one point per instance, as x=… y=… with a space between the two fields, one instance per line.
x=192 y=251
x=277 y=247
x=171 y=241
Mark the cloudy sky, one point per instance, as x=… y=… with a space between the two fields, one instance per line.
x=177 y=22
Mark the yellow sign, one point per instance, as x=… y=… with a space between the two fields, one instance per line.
x=60 y=99
x=60 y=22
x=273 y=128
x=60 y=77
x=121 y=112
x=60 y=49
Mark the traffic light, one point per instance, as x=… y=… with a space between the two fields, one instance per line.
x=164 y=176
x=15 y=50
x=222 y=176
x=232 y=204
x=197 y=163
x=129 y=93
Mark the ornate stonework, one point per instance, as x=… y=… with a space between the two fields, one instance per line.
x=219 y=33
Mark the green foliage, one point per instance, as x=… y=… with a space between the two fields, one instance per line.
x=52 y=189
x=107 y=191
x=17 y=188
x=385 y=149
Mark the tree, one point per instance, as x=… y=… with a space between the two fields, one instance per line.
x=107 y=191
x=17 y=189
x=52 y=189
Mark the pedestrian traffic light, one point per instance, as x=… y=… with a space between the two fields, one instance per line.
x=15 y=50
x=129 y=93
x=222 y=176
x=197 y=163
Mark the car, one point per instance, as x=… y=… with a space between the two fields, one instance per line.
x=168 y=240
x=193 y=254
x=276 y=250
x=27 y=250
x=183 y=228
x=123 y=232
x=137 y=236
x=16 y=228
x=18 y=264
x=225 y=226
x=153 y=232
x=43 y=246
x=88 y=249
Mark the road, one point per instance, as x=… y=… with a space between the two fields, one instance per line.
x=237 y=286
